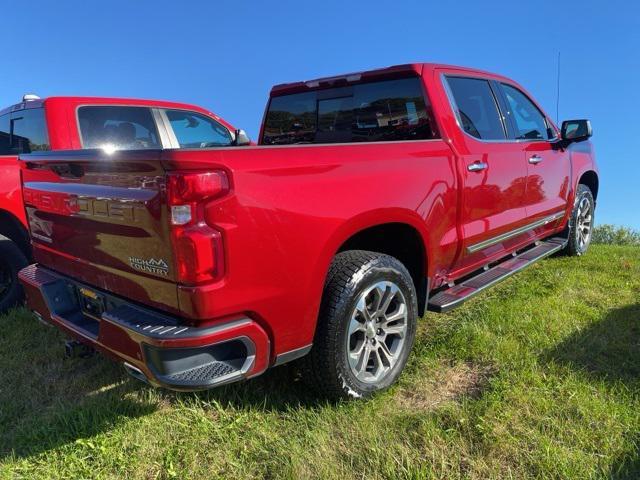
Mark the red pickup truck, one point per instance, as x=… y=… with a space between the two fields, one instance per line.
x=370 y=198
x=51 y=124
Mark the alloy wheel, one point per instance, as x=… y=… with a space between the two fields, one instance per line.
x=584 y=222
x=377 y=331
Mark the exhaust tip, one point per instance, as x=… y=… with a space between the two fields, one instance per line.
x=136 y=373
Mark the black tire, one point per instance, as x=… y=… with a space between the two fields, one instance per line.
x=12 y=260
x=578 y=243
x=352 y=274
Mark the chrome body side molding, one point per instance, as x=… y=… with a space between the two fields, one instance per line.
x=514 y=233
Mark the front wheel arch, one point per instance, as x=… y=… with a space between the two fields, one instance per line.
x=590 y=179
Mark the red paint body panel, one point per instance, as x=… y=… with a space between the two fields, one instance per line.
x=290 y=208
x=10 y=193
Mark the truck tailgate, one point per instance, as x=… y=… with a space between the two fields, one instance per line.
x=102 y=219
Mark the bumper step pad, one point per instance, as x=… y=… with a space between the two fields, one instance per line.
x=452 y=297
x=202 y=374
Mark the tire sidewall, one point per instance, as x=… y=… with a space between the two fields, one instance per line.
x=15 y=261
x=370 y=274
x=574 y=244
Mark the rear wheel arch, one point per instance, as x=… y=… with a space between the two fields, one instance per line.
x=400 y=240
x=13 y=229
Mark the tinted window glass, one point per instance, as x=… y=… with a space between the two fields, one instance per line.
x=5 y=146
x=370 y=112
x=194 y=130
x=115 y=127
x=25 y=131
x=335 y=117
x=392 y=110
x=476 y=108
x=291 y=119
x=529 y=121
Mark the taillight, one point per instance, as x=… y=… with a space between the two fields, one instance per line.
x=187 y=189
x=198 y=247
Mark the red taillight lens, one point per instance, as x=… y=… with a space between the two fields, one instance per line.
x=194 y=187
x=199 y=254
x=198 y=247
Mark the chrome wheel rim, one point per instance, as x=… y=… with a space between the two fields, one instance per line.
x=377 y=331
x=584 y=222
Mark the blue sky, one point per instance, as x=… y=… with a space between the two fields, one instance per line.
x=225 y=57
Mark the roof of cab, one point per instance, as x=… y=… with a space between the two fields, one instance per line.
x=76 y=101
x=395 y=71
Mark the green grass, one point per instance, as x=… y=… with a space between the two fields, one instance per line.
x=537 y=378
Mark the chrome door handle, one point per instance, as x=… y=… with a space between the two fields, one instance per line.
x=535 y=159
x=477 y=166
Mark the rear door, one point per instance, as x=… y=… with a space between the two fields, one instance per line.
x=100 y=215
x=493 y=171
x=549 y=168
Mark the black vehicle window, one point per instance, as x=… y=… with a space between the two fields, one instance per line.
x=392 y=110
x=291 y=119
x=335 y=116
x=477 y=109
x=24 y=131
x=194 y=130
x=5 y=145
x=529 y=121
x=370 y=112
x=117 y=127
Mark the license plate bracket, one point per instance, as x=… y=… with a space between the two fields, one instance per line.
x=91 y=302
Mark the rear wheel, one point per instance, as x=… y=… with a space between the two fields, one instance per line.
x=12 y=260
x=366 y=327
x=581 y=222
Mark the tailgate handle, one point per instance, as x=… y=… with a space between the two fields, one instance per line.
x=65 y=170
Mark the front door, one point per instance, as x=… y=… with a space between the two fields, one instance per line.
x=549 y=168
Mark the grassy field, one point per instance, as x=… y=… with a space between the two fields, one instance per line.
x=537 y=378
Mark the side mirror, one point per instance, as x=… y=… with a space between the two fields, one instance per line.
x=242 y=139
x=576 y=130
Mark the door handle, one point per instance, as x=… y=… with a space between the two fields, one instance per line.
x=535 y=159
x=477 y=166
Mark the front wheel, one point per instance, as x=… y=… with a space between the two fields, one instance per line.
x=366 y=327
x=581 y=222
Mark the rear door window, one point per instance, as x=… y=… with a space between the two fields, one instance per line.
x=529 y=121
x=476 y=108
x=118 y=127
x=194 y=130
x=390 y=110
x=5 y=134
x=23 y=131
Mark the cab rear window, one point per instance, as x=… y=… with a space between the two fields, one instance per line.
x=391 y=110
x=117 y=127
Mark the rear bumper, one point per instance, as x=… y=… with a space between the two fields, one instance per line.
x=156 y=348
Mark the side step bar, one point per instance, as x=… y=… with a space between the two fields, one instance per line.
x=452 y=297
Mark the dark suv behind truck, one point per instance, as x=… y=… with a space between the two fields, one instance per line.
x=371 y=197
